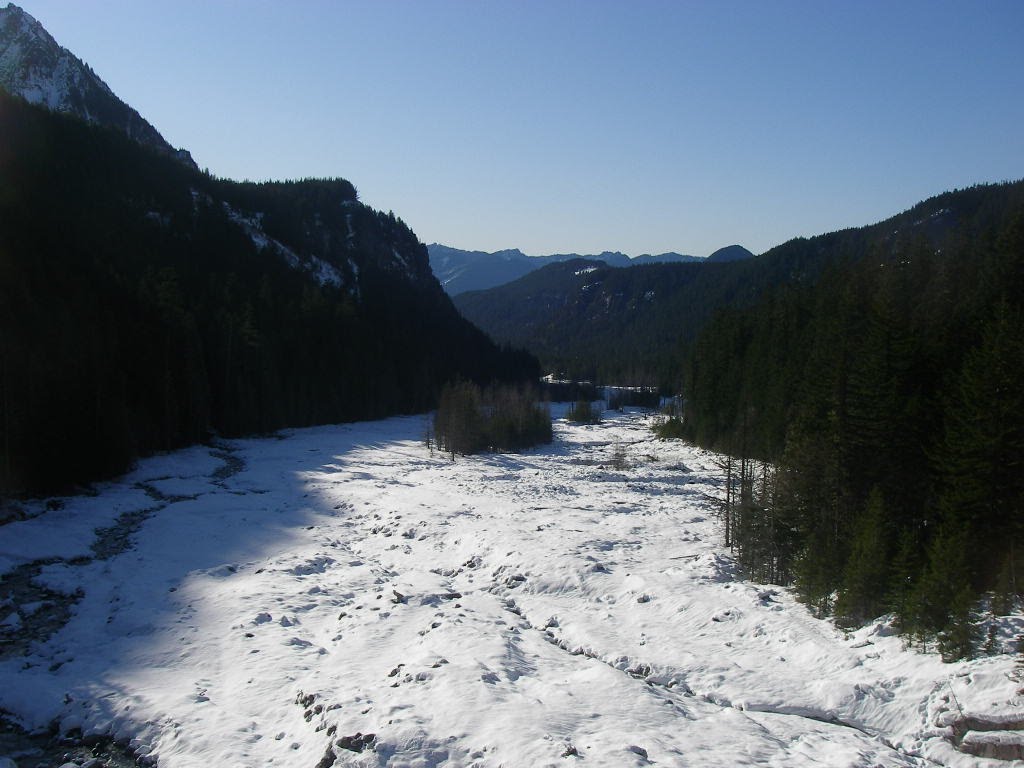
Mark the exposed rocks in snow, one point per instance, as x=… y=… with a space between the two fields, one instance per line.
x=23 y=749
x=50 y=609
x=638 y=751
x=357 y=742
x=42 y=610
x=328 y=759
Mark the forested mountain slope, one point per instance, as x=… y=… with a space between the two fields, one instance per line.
x=586 y=320
x=589 y=320
x=144 y=304
x=633 y=326
x=888 y=398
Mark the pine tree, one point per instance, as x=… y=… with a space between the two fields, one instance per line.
x=904 y=572
x=866 y=573
x=946 y=577
x=1004 y=593
x=982 y=456
x=960 y=637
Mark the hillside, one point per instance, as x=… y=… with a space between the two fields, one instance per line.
x=587 y=320
x=631 y=325
x=887 y=401
x=146 y=304
x=36 y=67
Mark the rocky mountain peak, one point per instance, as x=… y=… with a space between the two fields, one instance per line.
x=37 y=68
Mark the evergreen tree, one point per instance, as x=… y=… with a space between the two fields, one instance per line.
x=1006 y=589
x=945 y=578
x=866 y=574
x=583 y=412
x=982 y=456
x=960 y=635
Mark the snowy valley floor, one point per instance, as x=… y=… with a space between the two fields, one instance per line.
x=339 y=596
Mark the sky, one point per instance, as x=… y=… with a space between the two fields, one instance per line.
x=560 y=126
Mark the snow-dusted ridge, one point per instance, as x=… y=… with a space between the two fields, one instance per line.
x=38 y=69
x=342 y=597
x=321 y=271
x=34 y=66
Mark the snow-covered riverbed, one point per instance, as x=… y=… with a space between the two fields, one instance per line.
x=340 y=596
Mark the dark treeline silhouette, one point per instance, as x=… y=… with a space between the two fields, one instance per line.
x=584 y=412
x=876 y=420
x=499 y=418
x=143 y=305
x=569 y=391
x=619 y=398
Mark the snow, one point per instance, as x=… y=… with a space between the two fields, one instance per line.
x=35 y=67
x=400 y=259
x=344 y=585
x=321 y=271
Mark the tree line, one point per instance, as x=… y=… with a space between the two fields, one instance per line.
x=875 y=420
x=500 y=418
x=137 y=315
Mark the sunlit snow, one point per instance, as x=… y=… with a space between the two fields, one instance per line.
x=342 y=596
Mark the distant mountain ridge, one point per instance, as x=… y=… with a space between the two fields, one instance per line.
x=37 y=68
x=588 y=319
x=460 y=271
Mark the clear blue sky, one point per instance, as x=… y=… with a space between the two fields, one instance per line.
x=583 y=125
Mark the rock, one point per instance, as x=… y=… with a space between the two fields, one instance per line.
x=638 y=750
x=358 y=742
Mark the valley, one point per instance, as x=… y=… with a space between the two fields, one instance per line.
x=228 y=533
x=340 y=596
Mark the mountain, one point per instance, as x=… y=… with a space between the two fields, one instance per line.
x=35 y=67
x=587 y=320
x=461 y=271
x=145 y=305
x=730 y=253
x=629 y=326
x=659 y=258
x=886 y=399
x=472 y=270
